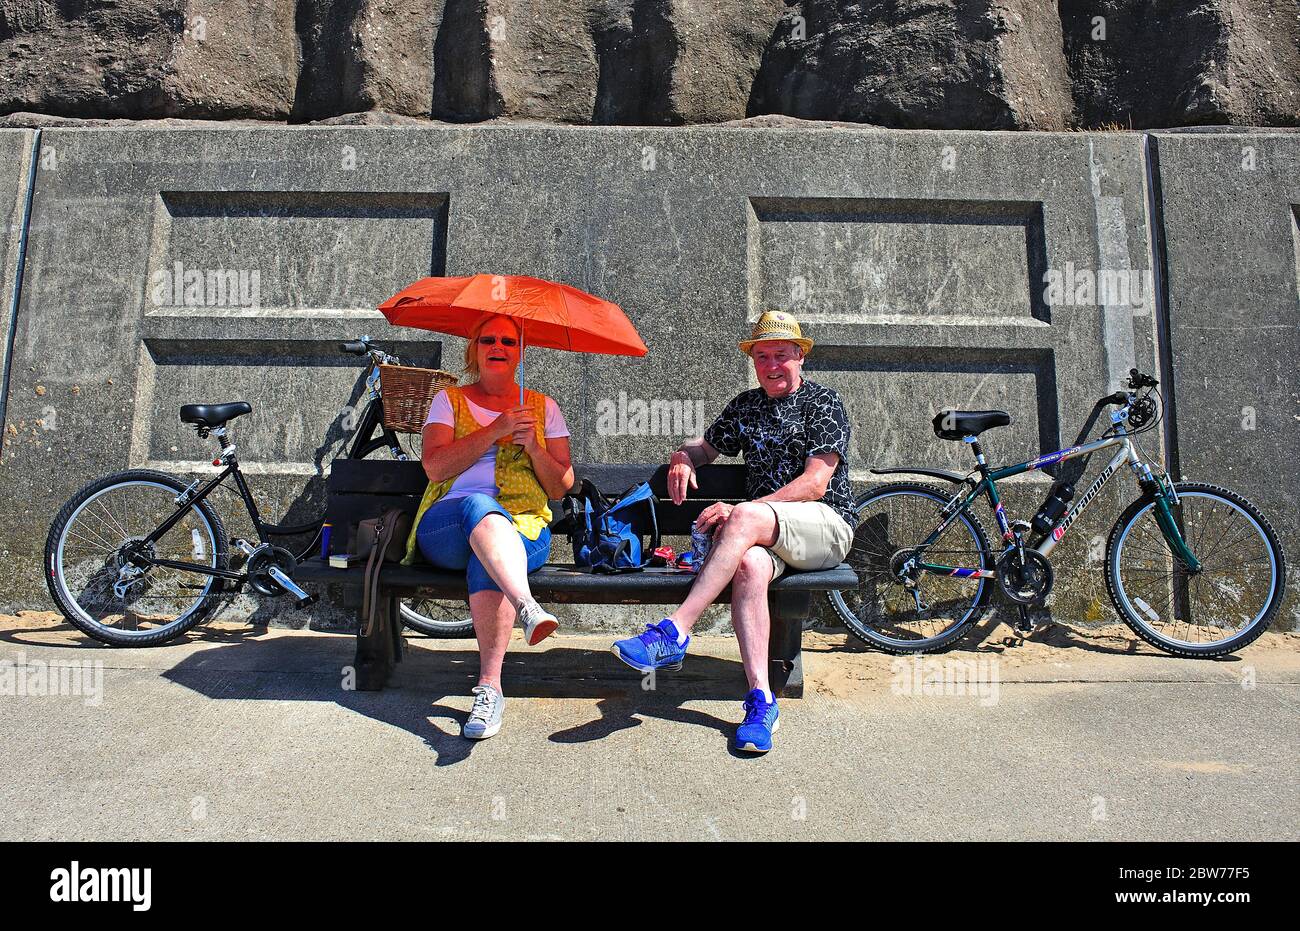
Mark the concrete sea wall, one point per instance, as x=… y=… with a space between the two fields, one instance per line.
x=1027 y=271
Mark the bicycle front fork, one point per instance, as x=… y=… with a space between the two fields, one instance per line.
x=1173 y=534
x=1164 y=495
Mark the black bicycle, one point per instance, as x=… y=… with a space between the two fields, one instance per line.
x=138 y=557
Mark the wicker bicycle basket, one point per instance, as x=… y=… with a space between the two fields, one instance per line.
x=408 y=392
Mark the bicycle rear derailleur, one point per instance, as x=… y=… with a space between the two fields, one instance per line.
x=903 y=567
x=132 y=561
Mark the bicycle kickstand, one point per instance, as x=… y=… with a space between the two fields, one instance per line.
x=1025 y=625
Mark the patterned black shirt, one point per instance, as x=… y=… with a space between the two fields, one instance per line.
x=777 y=435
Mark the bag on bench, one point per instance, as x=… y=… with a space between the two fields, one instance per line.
x=604 y=534
x=380 y=539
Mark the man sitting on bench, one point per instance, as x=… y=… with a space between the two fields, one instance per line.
x=794 y=435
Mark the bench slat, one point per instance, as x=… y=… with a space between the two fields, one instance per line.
x=561 y=582
x=377 y=476
x=724 y=482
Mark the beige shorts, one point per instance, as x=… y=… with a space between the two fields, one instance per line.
x=810 y=535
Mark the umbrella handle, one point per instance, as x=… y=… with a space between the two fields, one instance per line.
x=519 y=449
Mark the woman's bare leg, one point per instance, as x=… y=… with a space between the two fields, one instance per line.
x=494 y=617
x=496 y=543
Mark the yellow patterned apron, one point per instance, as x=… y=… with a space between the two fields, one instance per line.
x=519 y=492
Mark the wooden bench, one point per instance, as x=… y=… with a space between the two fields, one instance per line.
x=358 y=489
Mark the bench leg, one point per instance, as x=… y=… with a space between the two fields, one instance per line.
x=381 y=649
x=395 y=639
x=785 y=643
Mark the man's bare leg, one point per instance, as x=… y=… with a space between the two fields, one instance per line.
x=750 y=524
x=749 y=614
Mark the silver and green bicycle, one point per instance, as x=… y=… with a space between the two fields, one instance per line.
x=1193 y=569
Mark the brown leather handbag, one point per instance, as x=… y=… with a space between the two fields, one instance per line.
x=380 y=539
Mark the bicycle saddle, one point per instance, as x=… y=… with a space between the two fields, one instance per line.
x=214 y=415
x=954 y=425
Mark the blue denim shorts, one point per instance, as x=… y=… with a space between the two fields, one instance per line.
x=443 y=537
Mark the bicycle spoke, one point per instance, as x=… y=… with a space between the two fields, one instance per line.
x=879 y=602
x=106 y=536
x=1228 y=594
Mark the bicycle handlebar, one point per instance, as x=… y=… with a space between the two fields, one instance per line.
x=1137 y=381
x=362 y=346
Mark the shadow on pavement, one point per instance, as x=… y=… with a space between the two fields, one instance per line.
x=287 y=669
x=1047 y=632
x=201 y=633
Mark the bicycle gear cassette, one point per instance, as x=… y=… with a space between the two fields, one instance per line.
x=902 y=566
x=1027 y=581
x=259 y=568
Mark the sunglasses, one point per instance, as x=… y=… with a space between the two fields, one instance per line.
x=492 y=340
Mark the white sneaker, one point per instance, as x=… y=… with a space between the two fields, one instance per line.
x=538 y=622
x=485 y=715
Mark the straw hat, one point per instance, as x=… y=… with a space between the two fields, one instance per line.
x=776 y=325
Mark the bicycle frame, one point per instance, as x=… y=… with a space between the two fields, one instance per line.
x=190 y=496
x=1126 y=453
x=363 y=443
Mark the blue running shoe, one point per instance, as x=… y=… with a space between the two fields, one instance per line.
x=761 y=721
x=657 y=648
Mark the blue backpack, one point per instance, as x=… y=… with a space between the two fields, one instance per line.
x=606 y=536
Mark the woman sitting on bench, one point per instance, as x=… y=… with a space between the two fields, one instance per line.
x=492 y=464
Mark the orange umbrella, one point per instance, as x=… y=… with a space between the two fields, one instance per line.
x=550 y=314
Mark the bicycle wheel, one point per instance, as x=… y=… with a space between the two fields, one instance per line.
x=893 y=519
x=433 y=617
x=1216 y=610
x=87 y=550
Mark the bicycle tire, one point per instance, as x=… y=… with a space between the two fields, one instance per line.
x=66 y=600
x=1123 y=603
x=458 y=629
x=868 y=633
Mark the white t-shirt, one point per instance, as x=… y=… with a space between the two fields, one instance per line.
x=480 y=478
